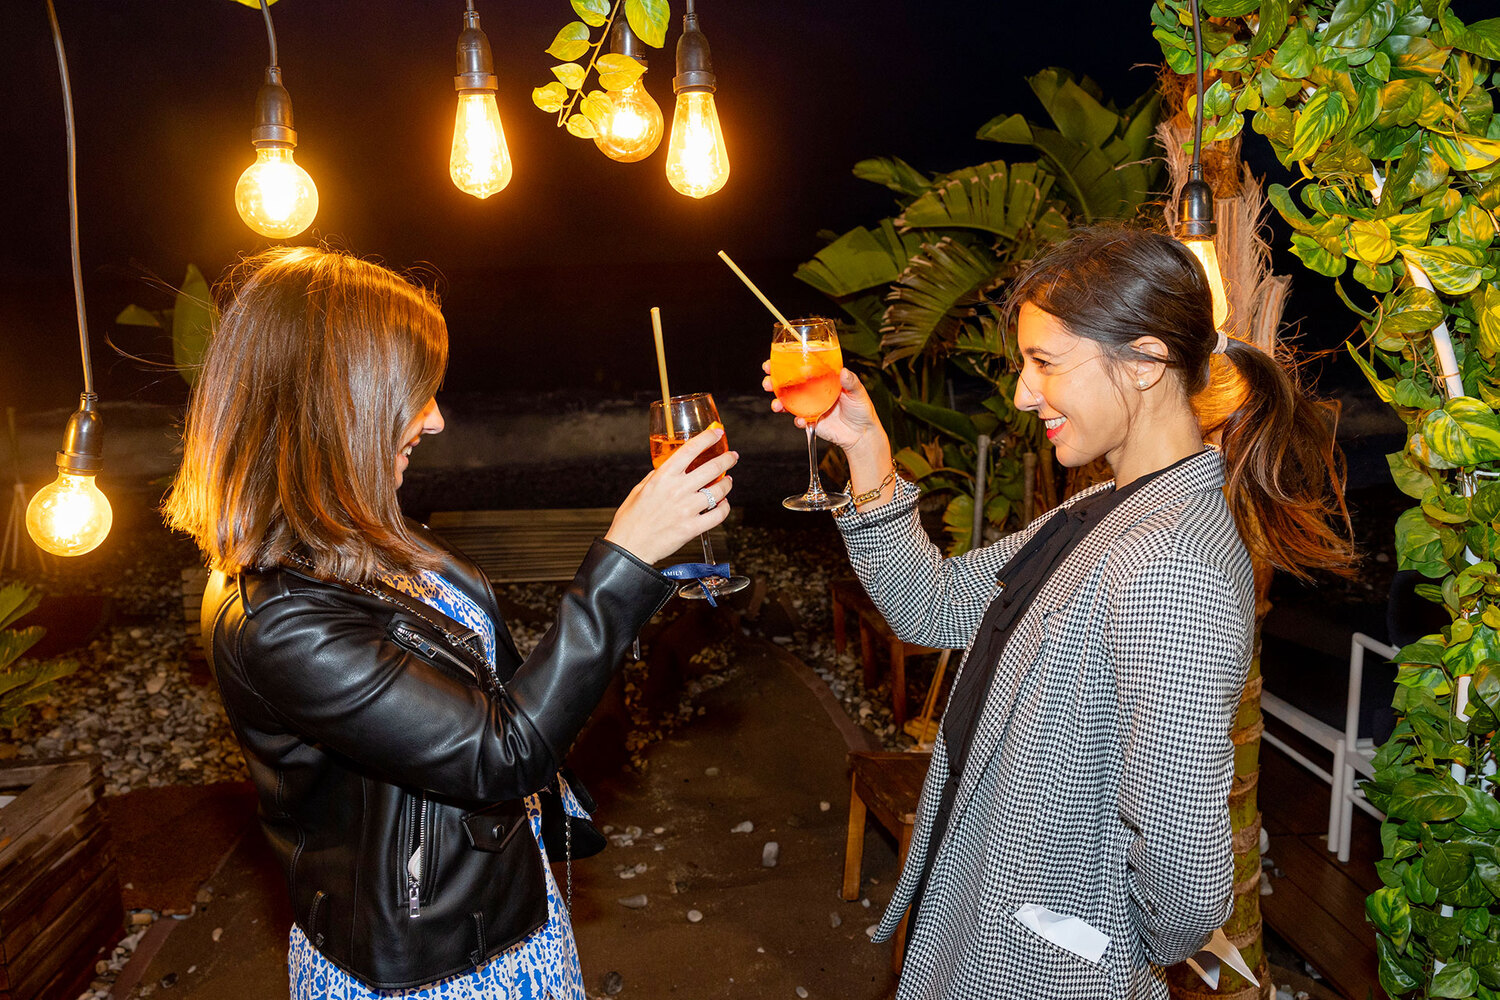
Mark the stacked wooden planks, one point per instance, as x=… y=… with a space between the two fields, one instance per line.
x=59 y=889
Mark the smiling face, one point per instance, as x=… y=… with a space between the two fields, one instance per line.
x=1069 y=383
x=429 y=421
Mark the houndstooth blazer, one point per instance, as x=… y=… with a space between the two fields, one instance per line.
x=1098 y=782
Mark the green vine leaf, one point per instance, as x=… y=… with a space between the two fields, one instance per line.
x=593 y=13
x=648 y=19
x=1465 y=432
x=1359 y=24
x=1456 y=979
x=1319 y=119
x=1465 y=152
x=1369 y=240
x=1414 y=310
x=1419 y=546
x=1294 y=58
x=1473 y=226
x=572 y=41
x=550 y=98
x=1313 y=254
x=1481 y=38
x=616 y=72
x=596 y=107
x=1452 y=270
x=1408 y=478
x=579 y=125
x=570 y=75
x=1270 y=26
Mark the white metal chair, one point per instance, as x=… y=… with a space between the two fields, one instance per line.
x=1352 y=755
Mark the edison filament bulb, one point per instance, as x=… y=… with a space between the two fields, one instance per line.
x=69 y=516
x=632 y=129
x=275 y=196
x=1208 y=256
x=697 y=164
x=480 y=162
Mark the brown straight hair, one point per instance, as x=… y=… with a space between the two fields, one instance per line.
x=319 y=364
x=1285 y=473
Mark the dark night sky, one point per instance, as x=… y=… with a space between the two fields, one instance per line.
x=547 y=284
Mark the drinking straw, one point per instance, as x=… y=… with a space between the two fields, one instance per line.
x=758 y=293
x=661 y=367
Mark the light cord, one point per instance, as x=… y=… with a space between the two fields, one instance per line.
x=1198 y=109
x=67 y=89
x=265 y=10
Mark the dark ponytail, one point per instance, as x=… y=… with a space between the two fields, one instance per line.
x=1284 y=471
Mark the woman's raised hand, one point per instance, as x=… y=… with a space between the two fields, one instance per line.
x=671 y=505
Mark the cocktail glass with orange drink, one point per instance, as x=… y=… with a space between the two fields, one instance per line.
x=805 y=366
x=671 y=425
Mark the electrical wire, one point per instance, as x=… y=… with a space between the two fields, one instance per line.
x=265 y=10
x=67 y=89
x=1198 y=110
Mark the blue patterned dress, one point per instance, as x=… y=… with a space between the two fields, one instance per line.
x=543 y=966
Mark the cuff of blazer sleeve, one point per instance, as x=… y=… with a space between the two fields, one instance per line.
x=860 y=527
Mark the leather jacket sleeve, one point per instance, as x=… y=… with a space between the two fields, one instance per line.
x=330 y=674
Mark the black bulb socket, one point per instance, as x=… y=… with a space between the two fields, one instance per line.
x=1195 y=209
x=623 y=41
x=83 y=442
x=695 y=69
x=273 y=113
x=476 y=65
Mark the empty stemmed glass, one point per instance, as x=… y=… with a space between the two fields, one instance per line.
x=805 y=366
x=671 y=426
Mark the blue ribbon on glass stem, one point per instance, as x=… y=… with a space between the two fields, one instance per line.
x=698 y=571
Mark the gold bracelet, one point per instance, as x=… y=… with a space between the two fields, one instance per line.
x=860 y=498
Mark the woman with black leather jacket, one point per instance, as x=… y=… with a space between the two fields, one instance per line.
x=404 y=752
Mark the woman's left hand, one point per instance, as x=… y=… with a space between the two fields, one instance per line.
x=671 y=506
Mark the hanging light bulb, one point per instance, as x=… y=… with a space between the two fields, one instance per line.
x=70 y=516
x=631 y=130
x=1195 y=230
x=275 y=196
x=480 y=161
x=1195 y=206
x=697 y=164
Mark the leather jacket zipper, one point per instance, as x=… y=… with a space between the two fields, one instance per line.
x=414 y=864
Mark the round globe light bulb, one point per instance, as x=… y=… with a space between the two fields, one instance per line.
x=275 y=196
x=697 y=164
x=69 y=516
x=633 y=127
x=480 y=162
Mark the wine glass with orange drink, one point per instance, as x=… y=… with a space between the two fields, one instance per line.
x=805 y=365
x=671 y=426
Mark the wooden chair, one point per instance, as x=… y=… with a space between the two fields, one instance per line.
x=887 y=785
x=849 y=595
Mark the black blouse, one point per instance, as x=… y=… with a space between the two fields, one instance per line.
x=1020 y=580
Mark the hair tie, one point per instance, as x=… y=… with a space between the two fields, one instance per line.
x=1223 y=344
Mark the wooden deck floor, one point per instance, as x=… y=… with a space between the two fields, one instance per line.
x=1318 y=905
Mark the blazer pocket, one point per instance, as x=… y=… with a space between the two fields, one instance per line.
x=493 y=827
x=1072 y=934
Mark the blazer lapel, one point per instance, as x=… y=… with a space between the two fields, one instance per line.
x=1074 y=579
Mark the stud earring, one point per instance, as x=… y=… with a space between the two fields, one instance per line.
x=1141 y=384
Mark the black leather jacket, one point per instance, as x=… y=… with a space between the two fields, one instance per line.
x=374 y=730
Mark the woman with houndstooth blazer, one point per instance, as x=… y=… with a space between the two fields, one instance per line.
x=1073 y=836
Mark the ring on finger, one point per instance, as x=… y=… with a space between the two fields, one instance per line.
x=708 y=495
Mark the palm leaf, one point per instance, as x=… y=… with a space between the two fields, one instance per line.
x=934 y=296
x=15 y=600
x=993 y=197
x=860 y=259
x=893 y=172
